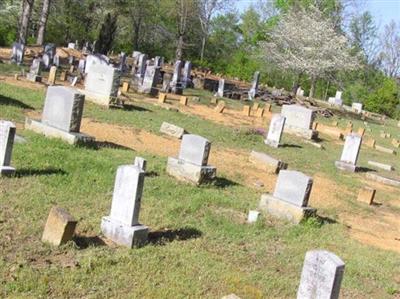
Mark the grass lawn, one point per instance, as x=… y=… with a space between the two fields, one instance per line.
x=199 y=246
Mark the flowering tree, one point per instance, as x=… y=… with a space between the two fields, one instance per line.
x=305 y=42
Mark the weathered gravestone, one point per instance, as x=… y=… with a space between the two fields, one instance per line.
x=176 y=84
x=7 y=135
x=172 y=130
x=150 y=80
x=59 y=228
x=275 y=130
x=221 y=87
x=254 y=86
x=191 y=164
x=321 y=276
x=122 y=225
x=299 y=121
x=18 y=52
x=350 y=153
x=35 y=71
x=102 y=84
x=267 y=163
x=62 y=115
x=186 y=81
x=290 y=198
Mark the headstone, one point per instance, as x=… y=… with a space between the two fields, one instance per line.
x=266 y=163
x=275 y=130
x=254 y=86
x=338 y=95
x=172 y=130
x=92 y=60
x=299 y=121
x=122 y=62
x=18 y=52
x=125 y=86
x=290 y=198
x=221 y=88
x=321 y=276
x=35 y=71
x=366 y=195
x=50 y=49
x=300 y=92
x=56 y=60
x=141 y=163
x=62 y=115
x=220 y=107
x=246 y=110
x=150 y=80
x=59 y=228
x=102 y=84
x=186 y=81
x=71 y=45
x=46 y=61
x=7 y=136
x=175 y=85
x=157 y=61
x=191 y=164
x=166 y=82
x=71 y=60
x=253 y=216
x=141 y=66
x=350 y=153
x=335 y=101
x=82 y=66
x=122 y=225
x=383 y=166
x=357 y=107
x=52 y=75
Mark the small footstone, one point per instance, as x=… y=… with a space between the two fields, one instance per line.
x=231 y=296
x=366 y=195
x=253 y=216
x=60 y=227
x=172 y=130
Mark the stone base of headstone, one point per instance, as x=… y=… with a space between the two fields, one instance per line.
x=151 y=91
x=303 y=133
x=33 y=77
x=122 y=234
x=6 y=171
x=271 y=143
x=284 y=210
x=189 y=172
x=48 y=131
x=177 y=90
x=346 y=166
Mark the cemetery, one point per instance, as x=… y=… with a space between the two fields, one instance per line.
x=127 y=174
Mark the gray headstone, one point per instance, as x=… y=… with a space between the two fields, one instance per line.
x=63 y=108
x=293 y=187
x=166 y=82
x=18 y=51
x=275 y=130
x=36 y=67
x=50 y=49
x=195 y=149
x=221 y=88
x=122 y=62
x=176 y=77
x=186 y=74
x=351 y=149
x=7 y=135
x=46 y=61
x=141 y=66
x=254 y=85
x=298 y=116
x=150 y=79
x=103 y=80
x=92 y=60
x=321 y=276
x=127 y=194
x=56 y=60
x=82 y=66
x=141 y=163
x=157 y=61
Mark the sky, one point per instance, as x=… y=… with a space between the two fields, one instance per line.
x=383 y=10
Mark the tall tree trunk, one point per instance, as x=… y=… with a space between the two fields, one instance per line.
x=203 y=46
x=26 y=16
x=136 y=32
x=179 y=48
x=326 y=90
x=43 y=22
x=312 y=89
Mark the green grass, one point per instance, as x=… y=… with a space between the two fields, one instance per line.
x=200 y=248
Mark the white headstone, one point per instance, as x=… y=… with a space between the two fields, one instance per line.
x=221 y=87
x=253 y=216
x=298 y=116
x=18 y=51
x=357 y=107
x=127 y=195
x=71 y=45
x=141 y=163
x=186 y=74
x=254 y=86
x=92 y=60
x=293 y=187
x=150 y=79
x=351 y=149
x=321 y=276
x=275 y=130
x=338 y=95
x=7 y=134
x=194 y=149
x=103 y=81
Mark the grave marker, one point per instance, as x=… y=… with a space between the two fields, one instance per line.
x=275 y=130
x=254 y=86
x=18 y=52
x=7 y=135
x=59 y=228
x=35 y=71
x=52 y=75
x=186 y=74
x=350 y=153
x=221 y=88
x=299 y=121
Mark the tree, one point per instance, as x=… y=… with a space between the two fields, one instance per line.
x=25 y=19
x=306 y=43
x=207 y=8
x=107 y=34
x=390 y=52
x=43 y=22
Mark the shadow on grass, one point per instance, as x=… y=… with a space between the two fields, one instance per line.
x=223 y=182
x=290 y=145
x=23 y=172
x=325 y=220
x=365 y=169
x=107 y=144
x=13 y=102
x=84 y=242
x=165 y=236
x=151 y=174
x=130 y=107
